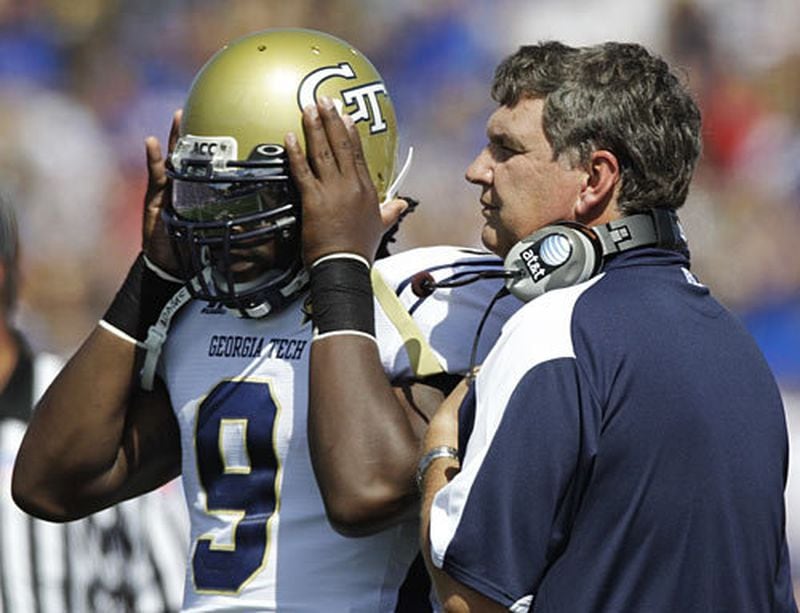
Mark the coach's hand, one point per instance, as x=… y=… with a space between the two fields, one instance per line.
x=155 y=240
x=340 y=204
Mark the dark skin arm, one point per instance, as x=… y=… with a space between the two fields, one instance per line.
x=96 y=438
x=364 y=435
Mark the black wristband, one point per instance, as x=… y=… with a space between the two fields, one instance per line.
x=139 y=301
x=341 y=296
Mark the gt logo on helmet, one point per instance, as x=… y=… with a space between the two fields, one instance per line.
x=364 y=97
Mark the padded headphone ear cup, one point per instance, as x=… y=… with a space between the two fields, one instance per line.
x=552 y=257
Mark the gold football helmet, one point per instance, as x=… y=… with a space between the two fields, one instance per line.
x=231 y=185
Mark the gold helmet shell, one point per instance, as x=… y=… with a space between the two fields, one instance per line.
x=254 y=89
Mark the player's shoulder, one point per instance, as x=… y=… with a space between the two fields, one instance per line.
x=402 y=265
x=436 y=254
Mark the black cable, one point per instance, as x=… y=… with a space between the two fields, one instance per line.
x=474 y=353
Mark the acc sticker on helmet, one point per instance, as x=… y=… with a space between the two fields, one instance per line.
x=216 y=150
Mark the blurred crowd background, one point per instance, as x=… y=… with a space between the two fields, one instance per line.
x=83 y=82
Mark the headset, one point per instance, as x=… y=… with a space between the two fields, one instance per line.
x=567 y=253
x=560 y=255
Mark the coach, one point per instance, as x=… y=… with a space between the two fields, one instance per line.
x=623 y=447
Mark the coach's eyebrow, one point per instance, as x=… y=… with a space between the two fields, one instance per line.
x=504 y=139
x=506 y=142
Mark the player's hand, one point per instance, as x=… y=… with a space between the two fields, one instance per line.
x=340 y=204
x=155 y=240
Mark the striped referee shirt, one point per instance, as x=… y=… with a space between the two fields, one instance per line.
x=127 y=558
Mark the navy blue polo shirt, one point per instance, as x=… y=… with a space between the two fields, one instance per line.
x=625 y=449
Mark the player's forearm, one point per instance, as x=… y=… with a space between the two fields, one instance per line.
x=82 y=450
x=74 y=442
x=362 y=445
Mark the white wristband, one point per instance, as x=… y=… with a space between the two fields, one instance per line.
x=442 y=451
x=160 y=271
x=318 y=337
x=119 y=333
x=342 y=255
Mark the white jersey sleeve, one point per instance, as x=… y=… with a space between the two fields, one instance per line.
x=423 y=332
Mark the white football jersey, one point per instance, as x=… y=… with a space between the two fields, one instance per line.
x=260 y=539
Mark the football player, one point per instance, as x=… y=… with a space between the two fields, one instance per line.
x=214 y=317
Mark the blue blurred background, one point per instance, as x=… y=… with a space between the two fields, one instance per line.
x=83 y=82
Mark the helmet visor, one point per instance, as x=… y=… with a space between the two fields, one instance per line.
x=223 y=202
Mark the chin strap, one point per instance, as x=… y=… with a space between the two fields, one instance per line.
x=276 y=300
x=157 y=334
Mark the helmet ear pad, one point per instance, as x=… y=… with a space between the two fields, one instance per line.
x=555 y=256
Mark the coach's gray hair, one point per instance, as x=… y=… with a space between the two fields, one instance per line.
x=9 y=252
x=617 y=97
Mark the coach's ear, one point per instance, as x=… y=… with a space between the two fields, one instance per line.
x=598 y=196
